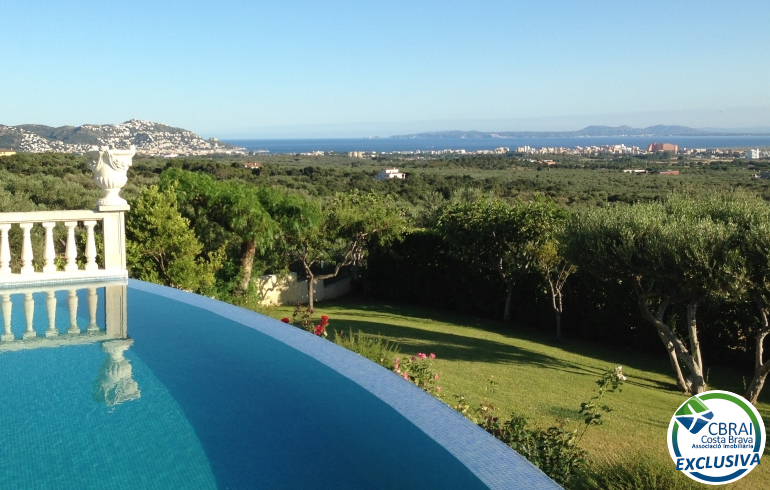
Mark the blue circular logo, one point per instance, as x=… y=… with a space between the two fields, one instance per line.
x=716 y=437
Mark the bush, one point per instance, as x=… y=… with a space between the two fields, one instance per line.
x=554 y=450
x=374 y=348
x=639 y=472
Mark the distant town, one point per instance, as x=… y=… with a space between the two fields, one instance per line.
x=585 y=151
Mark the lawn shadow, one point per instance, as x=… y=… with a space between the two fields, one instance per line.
x=641 y=367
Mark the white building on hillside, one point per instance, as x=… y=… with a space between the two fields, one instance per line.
x=389 y=173
x=752 y=154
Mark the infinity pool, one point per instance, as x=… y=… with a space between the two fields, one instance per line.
x=193 y=393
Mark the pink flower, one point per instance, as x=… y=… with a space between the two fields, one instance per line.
x=396 y=360
x=398 y=371
x=438 y=388
x=285 y=320
x=432 y=355
x=406 y=376
x=435 y=376
x=421 y=355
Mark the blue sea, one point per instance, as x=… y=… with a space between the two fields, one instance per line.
x=472 y=144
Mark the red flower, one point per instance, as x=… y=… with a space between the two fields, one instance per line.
x=285 y=320
x=324 y=319
x=319 y=330
x=432 y=355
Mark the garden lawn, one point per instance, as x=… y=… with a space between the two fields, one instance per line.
x=537 y=377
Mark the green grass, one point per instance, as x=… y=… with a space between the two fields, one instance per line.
x=538 y=377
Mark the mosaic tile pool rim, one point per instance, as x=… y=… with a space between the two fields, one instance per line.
x=491 y=461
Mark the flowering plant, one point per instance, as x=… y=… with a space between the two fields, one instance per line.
x=320 y=329
x=418 y=369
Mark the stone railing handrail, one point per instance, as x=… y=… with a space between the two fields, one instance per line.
x=113 y=235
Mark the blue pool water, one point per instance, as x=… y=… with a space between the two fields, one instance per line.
x=194 y=399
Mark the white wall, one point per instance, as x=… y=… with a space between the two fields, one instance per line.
x=286 y=290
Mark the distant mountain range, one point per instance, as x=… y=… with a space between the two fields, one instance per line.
x=149 y=138
x=590 y=131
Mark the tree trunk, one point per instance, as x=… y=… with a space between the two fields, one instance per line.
x=508 y=301
x=557 y=304
x=310 y=288
x=670 y=340
x=248 y=250
x=681 y=383
x=698 y=383
x=760 y=374
x=760 y=369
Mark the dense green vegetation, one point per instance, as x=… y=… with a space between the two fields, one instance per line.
x=626 y=260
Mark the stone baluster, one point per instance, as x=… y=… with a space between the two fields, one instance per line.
x=72 y=253
x=5 y=249
x=90 y=246
x=29 y=312
x=50 y=252
x=26 y=249
x=72 y=302
x=92 y=301
x=7 y=306
x=50 y=305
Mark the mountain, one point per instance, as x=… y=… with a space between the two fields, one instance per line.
x=149 y=138
x=594 y=131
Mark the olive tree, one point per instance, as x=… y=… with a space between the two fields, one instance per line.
x=346 y=226
x=496 y=235
x=669 y=252
x=555 y=269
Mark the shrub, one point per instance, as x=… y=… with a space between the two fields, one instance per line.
x=554 y=450
x=374 y=348
x=639 y=472
x=419 y=370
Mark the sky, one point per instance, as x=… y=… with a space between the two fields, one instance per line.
x=302 y=69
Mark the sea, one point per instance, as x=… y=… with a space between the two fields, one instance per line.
x=387 y=145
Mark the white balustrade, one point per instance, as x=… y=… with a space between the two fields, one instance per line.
x=72 y=252
x=26 y=249
x=5 y=249
x=50 y=252
x=110 y=167
x=113 y=252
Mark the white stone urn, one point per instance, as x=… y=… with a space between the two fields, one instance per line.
x=110 y=168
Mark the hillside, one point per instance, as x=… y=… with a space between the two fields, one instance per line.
x=659 y=130
x=150 y=138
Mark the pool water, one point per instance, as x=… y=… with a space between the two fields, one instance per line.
x=192 y=399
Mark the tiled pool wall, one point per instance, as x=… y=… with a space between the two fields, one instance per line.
x=493 y=462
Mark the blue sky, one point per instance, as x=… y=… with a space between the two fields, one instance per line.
x=346 y=69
